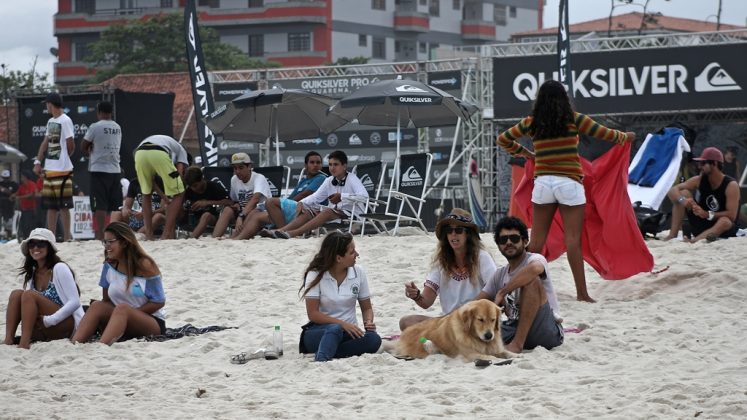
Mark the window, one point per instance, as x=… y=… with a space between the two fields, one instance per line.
x=422 y=47
x=499 y=15
x=378 y=48
x=81 y=50
x=397 y=47
x=378 y=4
x=423 y=2
x=256 y=45
x=362 y=40
x=434 y=8
x=167 y=4
x=512 y=11
x=256 y=3
x=85 y=6
x=456 y=4
x=299 y=41
x=209 y=3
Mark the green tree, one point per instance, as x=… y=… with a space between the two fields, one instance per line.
x=349 y=61
x=17 y=81
x=157 y=45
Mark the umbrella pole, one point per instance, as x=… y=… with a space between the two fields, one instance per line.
x=277 y=143
x=396 y=159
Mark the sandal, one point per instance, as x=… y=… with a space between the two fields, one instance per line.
x=280 y=234
x=266 y=233
x=239 y=359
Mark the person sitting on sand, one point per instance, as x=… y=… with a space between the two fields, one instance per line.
x=133 y=297
x=333 y=282
x=48 y=307
x=461 y=267
x=280 y=211
x=133 y=216
x=248 y=190
x=524 y=290
x=710 y=200
x=201 y=199
x=345 y=192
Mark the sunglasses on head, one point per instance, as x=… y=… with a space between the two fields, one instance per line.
x=514 y=238
x=37 y=244
x=455 y=229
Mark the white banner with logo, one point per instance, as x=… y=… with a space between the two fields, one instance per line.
x=81 y=218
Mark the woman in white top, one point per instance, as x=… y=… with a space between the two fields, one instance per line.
x=48 y=307
x=332 y=284
x=133 y=297
x=461 y=267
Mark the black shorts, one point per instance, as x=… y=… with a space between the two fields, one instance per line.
x=106 y=191
x=698 y=225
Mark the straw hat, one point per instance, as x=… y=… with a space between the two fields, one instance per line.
x=38 y=234
x=457 y=217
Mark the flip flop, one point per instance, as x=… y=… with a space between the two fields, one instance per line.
x=266 y=233
x=483 y=363
x=280 y=234
x=403 y=357
x=239 y=359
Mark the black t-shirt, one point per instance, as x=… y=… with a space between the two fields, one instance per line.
x=133 y=191
x=213 y=192
x=7 y=188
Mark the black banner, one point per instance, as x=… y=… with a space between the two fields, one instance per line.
x=629 y=82
x=335 y=87
x=201 y=94
x=449 y=81
x=564 y=48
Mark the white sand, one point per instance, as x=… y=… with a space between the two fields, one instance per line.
x=672 y=345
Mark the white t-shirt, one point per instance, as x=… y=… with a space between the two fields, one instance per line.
x=106 y=137
x=243 y=191
x=454 y=291
x=339 y=302
x=503 y=276
x=142 y=290
x=58 y=131
x=353 y=188
x=176 y=151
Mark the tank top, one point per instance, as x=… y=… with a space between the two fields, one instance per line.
x=713 y=199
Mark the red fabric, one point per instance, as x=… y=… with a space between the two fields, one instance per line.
x=611 y=242
x=28 y=187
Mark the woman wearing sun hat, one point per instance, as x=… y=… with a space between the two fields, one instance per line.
x=48 y=307
x=461 y=267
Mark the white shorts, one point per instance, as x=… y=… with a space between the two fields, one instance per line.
x=550 y=189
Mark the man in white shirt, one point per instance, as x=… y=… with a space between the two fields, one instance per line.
x=248 y=190
x=55 y=151
x=101 y=144
x=343 y=190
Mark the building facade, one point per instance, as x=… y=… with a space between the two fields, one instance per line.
x=305 y=32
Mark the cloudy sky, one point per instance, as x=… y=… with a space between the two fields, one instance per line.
x=26 y=27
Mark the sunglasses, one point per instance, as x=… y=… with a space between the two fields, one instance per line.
x=505 y=238
x=455 y=229
x=37 y=244
x=108 y=242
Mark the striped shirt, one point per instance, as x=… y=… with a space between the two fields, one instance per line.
x=558 y=156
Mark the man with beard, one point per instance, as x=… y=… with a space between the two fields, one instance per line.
x=524 y=290
x=709 y=200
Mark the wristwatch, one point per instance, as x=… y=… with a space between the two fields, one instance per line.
x=711 y=214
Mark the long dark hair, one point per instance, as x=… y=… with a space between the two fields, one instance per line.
x=334 y=244
x=552 y=111
x=445 y=257
x=29 y=265
x=133 y=252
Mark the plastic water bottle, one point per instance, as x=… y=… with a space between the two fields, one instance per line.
x=277 y=340
x=428 y=346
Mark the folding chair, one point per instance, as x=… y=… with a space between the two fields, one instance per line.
x=409 y=191
x=278 y=177
x=372 y=177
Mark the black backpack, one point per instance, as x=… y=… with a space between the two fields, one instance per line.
x=649 y=220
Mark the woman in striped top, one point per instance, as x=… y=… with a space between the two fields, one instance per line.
x=554 y=128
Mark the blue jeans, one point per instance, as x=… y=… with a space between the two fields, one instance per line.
x=330 y=341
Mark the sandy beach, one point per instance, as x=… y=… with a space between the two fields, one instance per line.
x=670 y=346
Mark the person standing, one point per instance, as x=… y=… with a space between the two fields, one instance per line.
x=26 y=197
x=163 y=156
x=558 y=185
x=55 y=150
x=731 y=164
x=101 y=144
x=8 y=188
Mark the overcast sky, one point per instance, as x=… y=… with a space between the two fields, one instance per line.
x=26 y=27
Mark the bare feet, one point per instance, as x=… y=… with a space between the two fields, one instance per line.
x=513 y=347
x=8 y=342
x=585 y=298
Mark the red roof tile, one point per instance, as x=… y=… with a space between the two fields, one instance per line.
x=631 y=22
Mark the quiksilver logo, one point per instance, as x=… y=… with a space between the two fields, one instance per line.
x=409 y=99
x=411 y=177
x=714 y=78
x=409 y=88
x=367 y=182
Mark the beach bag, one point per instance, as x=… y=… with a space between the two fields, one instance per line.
x=649 y=220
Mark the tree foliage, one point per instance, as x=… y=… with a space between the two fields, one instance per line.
x=349 y=61
x=17 y=81
x=157 y=45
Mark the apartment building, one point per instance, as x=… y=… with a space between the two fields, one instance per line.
x=306 y=32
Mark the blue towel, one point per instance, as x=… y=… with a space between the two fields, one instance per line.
x=655 y=158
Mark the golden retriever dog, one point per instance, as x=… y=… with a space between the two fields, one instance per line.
x=473 y=332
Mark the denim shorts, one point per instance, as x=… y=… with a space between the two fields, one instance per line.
x=550 y=189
